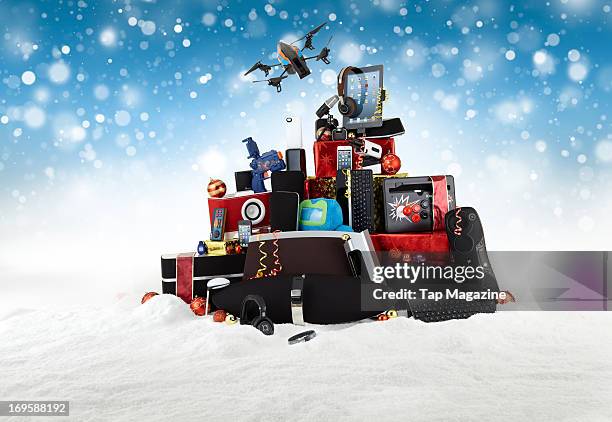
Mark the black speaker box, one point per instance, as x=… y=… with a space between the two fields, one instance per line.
x=296 y=160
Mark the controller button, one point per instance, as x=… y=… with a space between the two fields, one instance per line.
x=472 y=217
x=407 y=210
x=415 y=218
x=424 y=215
x=416 y=208
x=425 y=203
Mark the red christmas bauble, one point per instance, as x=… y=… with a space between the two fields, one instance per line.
x=148 y=296
x=391 y=164
x=219 y=316
x=216 y=188
x=198 y=306
x=395 y=253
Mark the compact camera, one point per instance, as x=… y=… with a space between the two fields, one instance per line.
x=339 y=134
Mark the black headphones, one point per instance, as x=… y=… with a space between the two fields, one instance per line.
x=254 y=313
x=348 y=106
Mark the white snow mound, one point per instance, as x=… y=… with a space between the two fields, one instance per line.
x=164 y=308
x=159 y=362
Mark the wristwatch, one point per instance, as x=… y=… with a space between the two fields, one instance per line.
x=302 y=337
x=297 y=310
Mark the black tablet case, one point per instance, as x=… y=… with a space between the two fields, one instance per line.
x=284 y=208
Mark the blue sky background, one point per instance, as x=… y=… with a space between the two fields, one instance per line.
x=114 y=114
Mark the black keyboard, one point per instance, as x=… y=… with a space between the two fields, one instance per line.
x=443 y=310
x=361 y=200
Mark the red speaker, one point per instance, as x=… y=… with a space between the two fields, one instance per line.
x=254 y=207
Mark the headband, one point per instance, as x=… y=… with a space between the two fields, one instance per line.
x=341 y=75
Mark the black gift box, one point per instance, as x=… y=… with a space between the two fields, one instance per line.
x=203 y=268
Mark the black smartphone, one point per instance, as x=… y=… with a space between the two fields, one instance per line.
x=244 y=233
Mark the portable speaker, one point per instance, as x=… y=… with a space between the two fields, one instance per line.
x=253 y=207
x=296 y=160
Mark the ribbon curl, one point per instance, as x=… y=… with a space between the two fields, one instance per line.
x=262 y=266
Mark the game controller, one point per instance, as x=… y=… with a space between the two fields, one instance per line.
x=408 y=210
x=466 y=238
x=467 y=248
x=414 y=204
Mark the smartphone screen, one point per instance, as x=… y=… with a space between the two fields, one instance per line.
x=345 y=159
x=244 y=233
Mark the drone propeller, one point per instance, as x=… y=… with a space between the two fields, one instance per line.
x=308 y=43
x=324 y=53
x=329 y=41
x=259 y=65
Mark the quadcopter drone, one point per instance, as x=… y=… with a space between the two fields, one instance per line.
x=292 y=59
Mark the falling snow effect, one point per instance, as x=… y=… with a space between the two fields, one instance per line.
x=134 y=96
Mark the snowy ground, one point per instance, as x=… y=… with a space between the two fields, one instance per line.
x=158 y=361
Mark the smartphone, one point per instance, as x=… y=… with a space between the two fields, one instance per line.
x=344 y=156
x=244 y=233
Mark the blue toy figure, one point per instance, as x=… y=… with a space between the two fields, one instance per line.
x=262 y=164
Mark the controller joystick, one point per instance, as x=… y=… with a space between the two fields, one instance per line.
x=464 y=244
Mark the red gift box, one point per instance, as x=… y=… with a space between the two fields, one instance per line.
x=316 y=187
x=325 y=154
x=435 y=242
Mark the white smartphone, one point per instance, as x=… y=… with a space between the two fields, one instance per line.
x=293 y=132
x=344 y=157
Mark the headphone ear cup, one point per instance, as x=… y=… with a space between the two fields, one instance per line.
x=343 y=109
x=265 y=326
x=348 y=108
